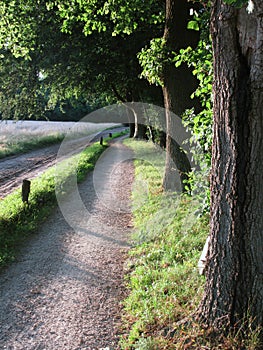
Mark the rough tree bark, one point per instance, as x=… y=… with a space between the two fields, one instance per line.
x=178 y=84
x=234 y=286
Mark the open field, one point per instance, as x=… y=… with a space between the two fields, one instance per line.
x=23 y=136
x=37 y=156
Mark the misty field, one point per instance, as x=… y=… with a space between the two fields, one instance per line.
x=22 y=136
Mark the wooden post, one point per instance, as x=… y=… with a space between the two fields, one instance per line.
x=110 y=134
x=25 y=190
x=101 y=141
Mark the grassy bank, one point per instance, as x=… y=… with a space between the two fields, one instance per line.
x=18 y=221
x=24 y=136
x=18 y=146
x=162 y=276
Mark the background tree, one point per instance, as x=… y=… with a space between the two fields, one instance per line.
x=233 y=293
x=107 y=56
x=20 y=88
x=125 y=30
x=178 y=85
x=71 y=65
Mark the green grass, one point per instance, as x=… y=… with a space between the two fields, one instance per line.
x=19 y=221
x=19 y=138
x=18 y=146
x=162 y=276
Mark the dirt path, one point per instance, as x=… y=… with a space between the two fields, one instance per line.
x=64 y=291
x=29 y=165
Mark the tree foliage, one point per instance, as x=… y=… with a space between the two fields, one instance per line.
x=71 y=61
x=117 y=16
x=236 y=3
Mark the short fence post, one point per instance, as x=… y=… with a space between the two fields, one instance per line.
x=25 y=190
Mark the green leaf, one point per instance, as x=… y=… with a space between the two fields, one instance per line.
x=236 y=3
x=193 y=25
x=178 y=64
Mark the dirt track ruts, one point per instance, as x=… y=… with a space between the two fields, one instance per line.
x=29 y=165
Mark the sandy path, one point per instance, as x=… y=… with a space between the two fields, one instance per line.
x=64 y=291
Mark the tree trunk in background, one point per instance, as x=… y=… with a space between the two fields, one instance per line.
x=131 y=121
x=140 y=131
x=162 y=142
x=132 y=130
x=140 y=121
x=135 y=117
x=234 y=286
x=178 y=85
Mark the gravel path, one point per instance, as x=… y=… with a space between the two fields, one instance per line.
x=65 y=289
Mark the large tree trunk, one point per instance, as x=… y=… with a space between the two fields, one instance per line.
x=234 y=286
x=178 y=84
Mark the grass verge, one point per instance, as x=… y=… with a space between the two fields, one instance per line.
x=18 y=221
x=22 y=146
x=162 y=276
x=22 y=140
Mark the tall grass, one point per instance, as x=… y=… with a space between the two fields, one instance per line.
x=17 y=146
x=164 y=285
x=163 y=278
x=23 y=136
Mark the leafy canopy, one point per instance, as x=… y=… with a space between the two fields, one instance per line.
x=118 y=16
x=46 y=39
x=236 y=3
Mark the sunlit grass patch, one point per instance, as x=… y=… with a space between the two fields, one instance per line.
x=18 y=221
x=164 y=281
x=163 y=278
